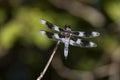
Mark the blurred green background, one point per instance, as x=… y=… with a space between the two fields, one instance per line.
x=24 y=51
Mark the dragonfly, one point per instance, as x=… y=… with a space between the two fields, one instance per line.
x=69 y=37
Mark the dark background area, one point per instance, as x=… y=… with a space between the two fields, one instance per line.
x=24 y=52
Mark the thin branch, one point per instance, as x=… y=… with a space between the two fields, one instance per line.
x=49 y=61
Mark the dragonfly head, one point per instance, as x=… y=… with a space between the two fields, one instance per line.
x=67 y=28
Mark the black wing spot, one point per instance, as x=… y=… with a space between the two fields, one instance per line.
x=74 y=39
x=76 y=33
x=61 y=36
x=87 y=34
x=50 y=25
x=85 y=43
x=49 y=34
x=61 y=29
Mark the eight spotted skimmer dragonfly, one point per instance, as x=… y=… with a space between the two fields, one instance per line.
x=67 y=36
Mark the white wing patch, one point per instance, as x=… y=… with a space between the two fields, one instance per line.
x=42 y=32
x=93 y=44
x=72 y=42
x=56 y=28
x=56 y=36
x=81 y=34
x=95 y=34
x=78 y=41
x=42 y=21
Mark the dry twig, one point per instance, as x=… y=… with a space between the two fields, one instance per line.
x=49 y=61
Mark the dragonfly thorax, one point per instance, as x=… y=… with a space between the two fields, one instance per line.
x=67 y=28
x=66 y=33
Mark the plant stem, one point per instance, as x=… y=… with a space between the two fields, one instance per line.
x=49 y=61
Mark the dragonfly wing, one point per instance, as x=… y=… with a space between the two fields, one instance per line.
x=51 y=26
x=86 y=34
x=53 y=36
x=81 y=43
